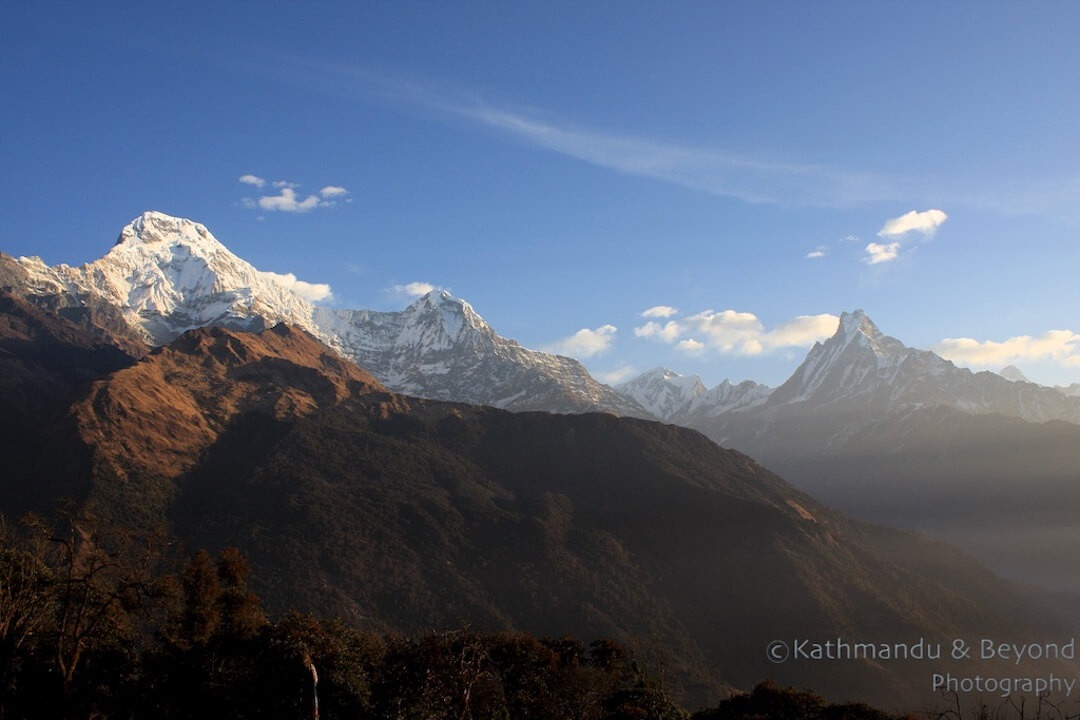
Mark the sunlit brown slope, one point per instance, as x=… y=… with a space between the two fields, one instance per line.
x=158 y=417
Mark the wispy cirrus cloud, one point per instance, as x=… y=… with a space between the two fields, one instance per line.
x=759 y=176
x=697 y=167
x=707 y=168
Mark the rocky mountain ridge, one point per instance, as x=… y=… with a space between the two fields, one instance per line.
x=167 y=275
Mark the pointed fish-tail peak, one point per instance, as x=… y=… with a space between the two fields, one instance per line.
x=857 y=327
x=861 y=367
x=858 y=359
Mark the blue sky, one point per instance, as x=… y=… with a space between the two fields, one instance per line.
x=568 y=168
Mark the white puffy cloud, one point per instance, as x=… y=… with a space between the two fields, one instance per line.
x=584 y=343
x=660 y=311
x=669 y=332
x=818 y=252
x=925 y=223
x=1062 y=346
x=729 y=331
x=738 y=333
x=881 y=252
x=313 y=292
x=414 y=289
x=690 y=346
x=801 y=331
x=616 y=376
x=287 y=202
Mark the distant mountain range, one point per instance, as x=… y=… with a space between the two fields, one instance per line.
x=902 y=436
x=410 y=514
x=166 y=275
x=860 y=370
x=684 y=400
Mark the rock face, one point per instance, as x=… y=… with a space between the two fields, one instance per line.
x=167 y=275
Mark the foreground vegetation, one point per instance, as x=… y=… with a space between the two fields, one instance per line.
x=92 y=627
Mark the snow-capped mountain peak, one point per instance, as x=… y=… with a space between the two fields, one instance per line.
x=690 y=385
x=452 y=315
x=154 y=227
x=680 y=398
x=728 y=396
x=167 y=275
x=857 y=359
x=857 y=327
x=862 y=365
x=662 y=392
x=856 y=321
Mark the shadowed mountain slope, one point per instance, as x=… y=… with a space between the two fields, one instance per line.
x=46 y=360
x=410 y=514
